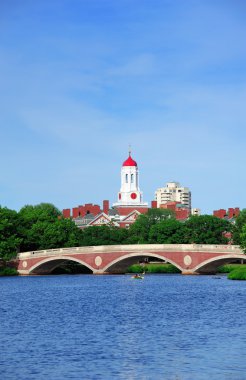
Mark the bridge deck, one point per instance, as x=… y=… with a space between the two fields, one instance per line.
x=140 y=248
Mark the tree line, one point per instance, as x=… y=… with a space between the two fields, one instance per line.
x=43 y=227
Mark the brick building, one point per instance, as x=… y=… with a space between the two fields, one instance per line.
x=129 y=203
x=181 y=212
x=230 y=214
x=124 y=212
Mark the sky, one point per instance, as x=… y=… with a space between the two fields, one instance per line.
x=80 y=80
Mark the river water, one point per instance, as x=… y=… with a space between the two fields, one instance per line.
x=168 y=327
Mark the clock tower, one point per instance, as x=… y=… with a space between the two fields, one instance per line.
x=130 y=194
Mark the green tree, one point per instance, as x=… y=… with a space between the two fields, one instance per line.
x=207 y=229
x=42 y=215
x=96 y=235
x=10 y=239
x=169 y=231
x=43 y=212
x=104 y=235
x=139 y=231
x=243 y=238
x=155 y=215
x=238 y=227
x=119 y=235
x=60 y=233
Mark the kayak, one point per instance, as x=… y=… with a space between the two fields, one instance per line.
x=137 y=277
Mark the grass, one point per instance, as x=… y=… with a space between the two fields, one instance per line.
x=238 y=274
x=169 y=268
x=153 y=268
x=229 y=268
x=7 y=271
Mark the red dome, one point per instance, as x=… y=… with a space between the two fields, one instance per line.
x=129 y=162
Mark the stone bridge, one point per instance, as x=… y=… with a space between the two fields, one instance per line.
x=188 y=258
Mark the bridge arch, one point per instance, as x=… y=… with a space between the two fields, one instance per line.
x=128 y=260
x=47 y=265
x=210 y=265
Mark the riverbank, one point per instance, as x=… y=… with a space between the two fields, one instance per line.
x=8 y=271
x=228 y=268
x=237 y=274
x=234 y=271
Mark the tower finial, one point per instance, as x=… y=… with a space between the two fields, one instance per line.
x=130 y=149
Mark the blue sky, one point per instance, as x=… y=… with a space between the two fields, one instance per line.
x=81 y=79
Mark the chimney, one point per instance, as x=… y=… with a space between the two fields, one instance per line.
x=153 y=204
x=105 y=207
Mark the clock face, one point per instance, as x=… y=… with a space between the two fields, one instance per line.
x=133 y=195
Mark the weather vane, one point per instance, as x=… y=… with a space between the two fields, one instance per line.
x=130 y=149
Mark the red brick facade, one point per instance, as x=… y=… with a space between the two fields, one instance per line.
x=153 y=204
x=120 y=218
x=66 y=213
x=230 y=214
x=81 y=211
x=181 y=213
x=105 y=206
x=121 y=212
x=124 y=211
x=233 y=212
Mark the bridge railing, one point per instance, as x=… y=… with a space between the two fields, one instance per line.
x=141 y=248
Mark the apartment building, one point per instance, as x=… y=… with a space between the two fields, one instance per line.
x=173 y=192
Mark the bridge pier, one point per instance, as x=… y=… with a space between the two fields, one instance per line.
x=189 y=272
x=99 y=272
